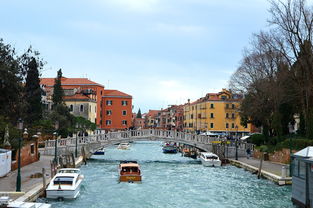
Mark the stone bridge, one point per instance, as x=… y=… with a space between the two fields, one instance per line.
x=94 y=142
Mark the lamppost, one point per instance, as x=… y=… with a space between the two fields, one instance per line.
x=236 y=156
x=18 y=178
x=76 y=142
x=55 y=135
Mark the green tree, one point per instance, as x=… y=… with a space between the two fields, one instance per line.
x=139 y=114
x=58 y=92
x=10 y=83
x=33 y=93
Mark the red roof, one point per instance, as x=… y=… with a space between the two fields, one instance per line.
x=152 y=112
x=77 y=97
x=115 y=93
x=68 y=81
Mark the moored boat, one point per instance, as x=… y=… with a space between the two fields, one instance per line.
x=123 y=146
x=65 y=184
x=210 y=159
x=129 y=171
x=99 y=152
x=169 y=149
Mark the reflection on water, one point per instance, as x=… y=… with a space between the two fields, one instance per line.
x=170 y=180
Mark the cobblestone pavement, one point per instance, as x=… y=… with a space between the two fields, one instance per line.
x=8 y=183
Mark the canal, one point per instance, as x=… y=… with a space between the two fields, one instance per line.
x=170 y=180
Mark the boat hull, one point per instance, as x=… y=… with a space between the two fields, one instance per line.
x=56 y=193
x=211 y=163
x=64 y=194
x=169 y=149
x=130 y=178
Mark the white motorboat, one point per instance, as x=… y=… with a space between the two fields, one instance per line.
x=123 y=146
x=209 y=159
x=65 y=184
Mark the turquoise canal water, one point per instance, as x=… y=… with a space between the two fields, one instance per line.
x=170 y=180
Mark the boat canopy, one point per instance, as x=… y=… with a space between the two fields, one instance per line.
x=63 y=180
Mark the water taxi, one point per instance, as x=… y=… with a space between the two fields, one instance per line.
x=129 y=171
x=123 y=146
x=65 y=184
x=209 y=159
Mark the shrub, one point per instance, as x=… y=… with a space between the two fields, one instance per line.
x=257 y=139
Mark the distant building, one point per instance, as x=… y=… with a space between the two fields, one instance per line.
x=151 y=119
x=83 y=94
x=170 y=118
x=216 y=112
x=117 y=110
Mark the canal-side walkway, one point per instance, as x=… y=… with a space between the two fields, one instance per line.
x=31 y=176
x=270 y=170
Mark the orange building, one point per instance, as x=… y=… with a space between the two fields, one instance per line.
x=82 y=84
x=117 y=110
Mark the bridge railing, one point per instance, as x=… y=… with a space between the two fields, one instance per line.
x=144 y=133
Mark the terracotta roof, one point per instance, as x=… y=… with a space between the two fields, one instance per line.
x=77 y=97
x=153 y=112
x=115 y=93
x=69 y=81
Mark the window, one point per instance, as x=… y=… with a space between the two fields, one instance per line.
x=81 y=108
x=71 y=108
x=101 y=92
x=226 y=115
x=89 y=108
x=124 y=113
x=227 y=105
x=124 y=102
x=232 y=115
x=108 y=122
x=223 y=97
x=124 y=122
x=193 y=108
x=190 y=125
x=109 y=102
x=212 y=125
x=199 y=115
x=95 y=109
x=227 y=125
x=109 y=112
x=212 y=105
x=295 y=167
x=32 y=149
x=302 y=169
x=212 y=115
x=233 y=106
x=233 y=125
x=191 y=116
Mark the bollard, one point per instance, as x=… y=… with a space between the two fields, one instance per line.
x=283 y=171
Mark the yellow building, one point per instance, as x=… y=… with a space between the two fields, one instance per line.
x=82 y=105
x=216 y=112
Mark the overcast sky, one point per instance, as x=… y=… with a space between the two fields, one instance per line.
x=159 y=51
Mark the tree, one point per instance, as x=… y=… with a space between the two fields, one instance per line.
x=10 y=83
x=33 y=93
x=58 y=92
x=139 y=114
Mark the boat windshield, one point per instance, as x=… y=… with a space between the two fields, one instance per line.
x=63 y=180
x=212 y=157
x=69 y=171
x=129 y=169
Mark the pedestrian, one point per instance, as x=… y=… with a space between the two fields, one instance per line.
x=248 y=153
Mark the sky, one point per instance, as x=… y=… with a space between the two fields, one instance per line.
x=162 y=52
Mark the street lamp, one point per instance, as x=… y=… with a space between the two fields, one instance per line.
x=55 y=135
x=18 y=178
x=76 y=142
x=236 y=156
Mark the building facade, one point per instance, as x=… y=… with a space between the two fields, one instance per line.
x=151 y=119
x=116 y=110
x=216 y=112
